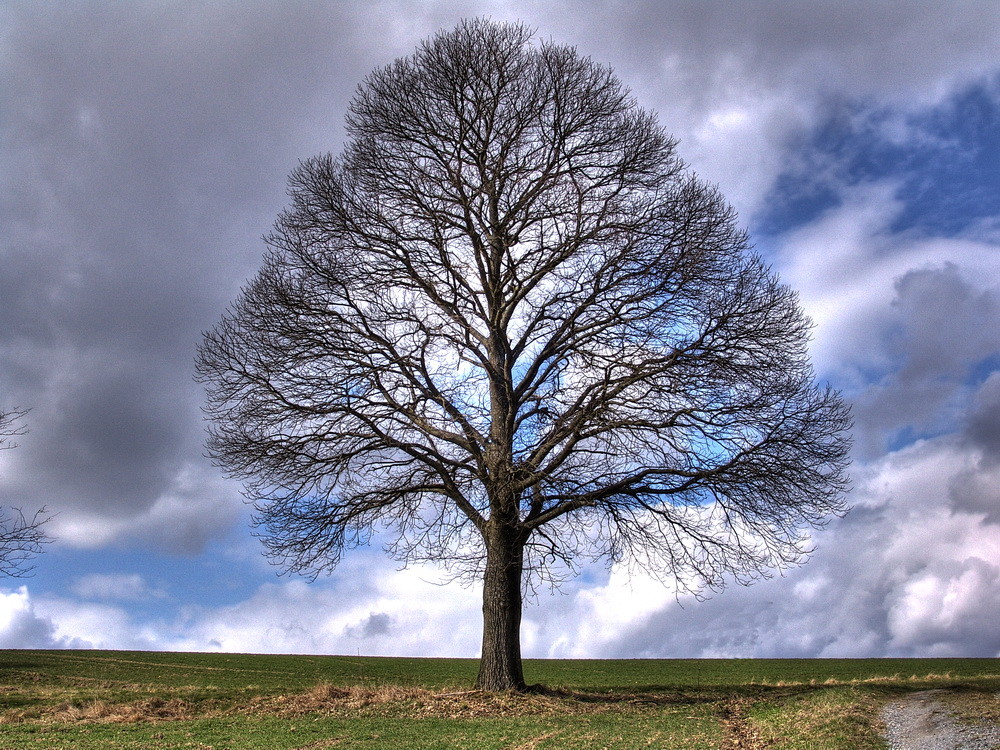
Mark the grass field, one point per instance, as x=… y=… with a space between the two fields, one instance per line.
x=117 y=699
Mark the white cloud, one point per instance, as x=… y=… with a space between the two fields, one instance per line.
x=949 y=606
x=22 y=627
x=592 y=617
x=366 y=607
x=847 y=267
x=84 y=624
x=110 y=586
x=909 y=572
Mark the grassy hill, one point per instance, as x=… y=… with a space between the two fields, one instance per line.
x=118 y=699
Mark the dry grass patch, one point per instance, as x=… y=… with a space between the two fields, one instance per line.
x=153 y=709
x=327 y=699
x=894 y=679
x=414 y=702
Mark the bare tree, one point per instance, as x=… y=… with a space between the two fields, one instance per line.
x=21 y=538
x=508 y=330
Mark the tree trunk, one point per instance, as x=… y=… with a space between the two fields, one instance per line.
x=500 y=665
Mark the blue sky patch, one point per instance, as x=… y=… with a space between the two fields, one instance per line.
x=945 y=159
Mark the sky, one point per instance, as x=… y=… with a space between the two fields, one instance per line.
x=144 y=151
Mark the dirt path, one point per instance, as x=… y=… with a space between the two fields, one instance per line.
x=739 y=734
x=921 y=721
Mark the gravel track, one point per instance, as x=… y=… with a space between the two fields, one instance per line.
x=922 y=722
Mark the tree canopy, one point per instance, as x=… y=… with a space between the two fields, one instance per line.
x=509 y=329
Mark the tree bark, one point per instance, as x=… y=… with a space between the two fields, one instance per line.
x=500 y=665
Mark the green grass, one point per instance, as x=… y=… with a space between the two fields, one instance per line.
x=265 y=732
x=102 y=699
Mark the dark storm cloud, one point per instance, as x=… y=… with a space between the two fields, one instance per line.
x=897 y=49
x=977 y=488
x=145 y=148
x=983 y=424
x=938 y=335
x=944 y=314
x=115 y=440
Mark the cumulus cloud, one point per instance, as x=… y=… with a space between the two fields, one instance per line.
x=903 y=322
x=908 y=573
x=22 y=627
x=949 y=610
x=911 y=571
x=363 y=608
x=84 y=624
